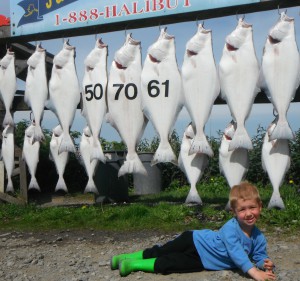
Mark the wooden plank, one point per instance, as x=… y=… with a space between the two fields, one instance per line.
x=10 y=199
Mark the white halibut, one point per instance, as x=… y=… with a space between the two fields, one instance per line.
x=60 y=159
x=85 y=148
x=234 y=164
x=124 y=102
x=8 y=154
x=275 y=158
x=201 y=85
x=239 y=72
x=192 y=165
x=30 y=152
x=280 y=72
x=8 y=85
x=162 y=93
x=64 y=93
x=94 y=94
x=36 y=89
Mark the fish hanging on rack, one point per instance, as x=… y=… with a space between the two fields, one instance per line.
x=8 y=154
x=162 y=93
x=201 y=85
x=36 y=89
x=30 y=154
x=64 y=93
x=8 y=85
x=239 y=72
x=124 y=102
x=60 y=159
x=192 y=165
x=94 y=94
x=280 y=72
x=276 y=160
x=233 y=164
x=86 y=148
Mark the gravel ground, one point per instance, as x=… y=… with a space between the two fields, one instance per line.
x=85 y=256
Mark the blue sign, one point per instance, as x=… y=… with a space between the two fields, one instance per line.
x=38 y=16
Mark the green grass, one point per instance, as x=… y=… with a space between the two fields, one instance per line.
x=161 y=212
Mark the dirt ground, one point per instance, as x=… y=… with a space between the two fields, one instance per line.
x=85 y=255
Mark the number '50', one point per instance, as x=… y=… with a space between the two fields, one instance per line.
x=95 y=93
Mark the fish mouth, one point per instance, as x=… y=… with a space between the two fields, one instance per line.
x=119 y=65
x=230 y=47
x=101 y=44
x=227 y=137
x=153 y=59
x=191 y=53
x=273 y=40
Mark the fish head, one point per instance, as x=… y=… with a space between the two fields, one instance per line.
x=29 y=132
x=239 y=36
x=129 y=52
x=162 y=48
x=37 y=56
x=230 y=130
x=66 y=55
x=87 y=132
x=57 y=131
x=7 y=59
x=282 y=29
x=198 y=41
x=7 y=130
x=189 y=132
x=97 y=55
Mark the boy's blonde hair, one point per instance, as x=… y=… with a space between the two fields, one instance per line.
x=245 y=191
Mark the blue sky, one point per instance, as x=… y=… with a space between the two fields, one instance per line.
x=261 y=114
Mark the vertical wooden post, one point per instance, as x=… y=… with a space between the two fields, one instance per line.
x=1 y=176
x=23 y=176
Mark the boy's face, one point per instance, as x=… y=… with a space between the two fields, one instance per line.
x=247 y=212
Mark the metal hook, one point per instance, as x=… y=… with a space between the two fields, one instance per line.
x=279 y=10
x=237 y=15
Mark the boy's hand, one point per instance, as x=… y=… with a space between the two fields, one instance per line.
x=259 y=275
x=268 y=265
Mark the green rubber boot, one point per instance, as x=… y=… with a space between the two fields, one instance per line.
x=130 y=265
x=115 y=260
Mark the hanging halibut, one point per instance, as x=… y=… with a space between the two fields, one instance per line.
x=8 y=85
x=275 y=158
x=8 y=154
x=201 y=85
x=124 y=102
x=162 y=94
x=36 y=89
x=280 y=72
x=192 y=165
x=239 y=72
x=64 y=93
x=234 y=164
x=86 y=147
x=94 y=91
x=60 y=159
x=30 y=152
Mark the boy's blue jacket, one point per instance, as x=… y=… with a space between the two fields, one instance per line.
x=230 y=248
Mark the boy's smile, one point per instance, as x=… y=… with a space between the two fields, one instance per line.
x=247 y=213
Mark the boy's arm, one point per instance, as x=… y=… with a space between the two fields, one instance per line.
x=259 y=275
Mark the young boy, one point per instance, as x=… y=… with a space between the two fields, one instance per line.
x=235 y=245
